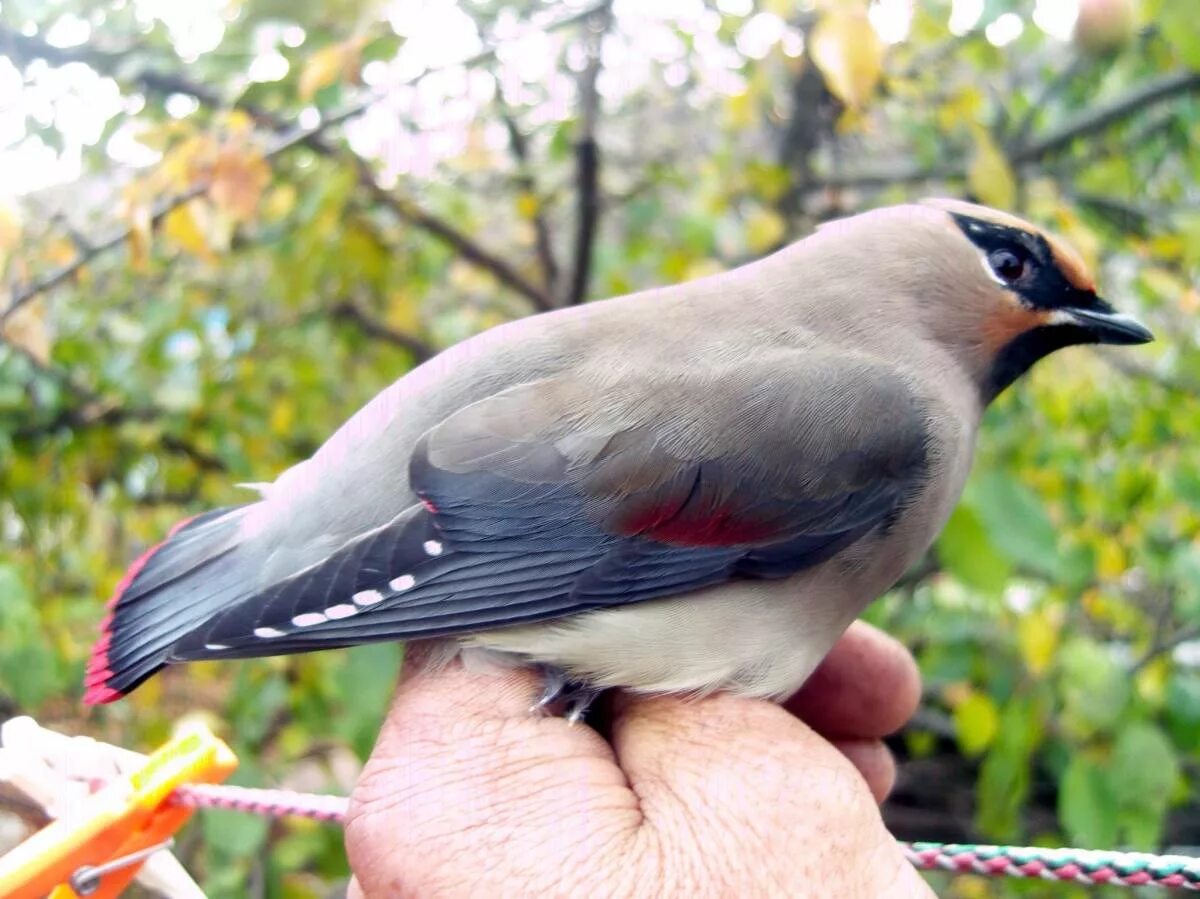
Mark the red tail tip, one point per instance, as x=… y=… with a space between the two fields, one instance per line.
x=100 y=694
x=97 y=671
x=97 y=678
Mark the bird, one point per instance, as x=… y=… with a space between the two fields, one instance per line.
x=688 y=489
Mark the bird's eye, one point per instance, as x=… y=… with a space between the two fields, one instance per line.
x=1008 y=265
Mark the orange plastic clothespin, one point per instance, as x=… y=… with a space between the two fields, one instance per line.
x=96 y=849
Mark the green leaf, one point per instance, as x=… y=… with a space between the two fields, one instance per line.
x=29 y=670
x=364 y=683
x=1144 y=766
x=1004 y=776
x=1094 y=688
x=965 y=550
x=1086 y=806
x=1180 y=27
x=236 y=834
x=1017 y=523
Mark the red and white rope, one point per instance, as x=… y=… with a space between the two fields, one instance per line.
x=1085 y=866
x=272 y=803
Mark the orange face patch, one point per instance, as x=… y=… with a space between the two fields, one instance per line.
x=1006 y=325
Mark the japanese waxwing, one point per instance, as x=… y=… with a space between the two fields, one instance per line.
x=691 y=488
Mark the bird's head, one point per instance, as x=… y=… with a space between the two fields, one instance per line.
x=1010 y=294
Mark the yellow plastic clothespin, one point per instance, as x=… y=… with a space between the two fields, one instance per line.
x=97 y=848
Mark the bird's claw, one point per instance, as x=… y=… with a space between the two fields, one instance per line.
x=576 y=697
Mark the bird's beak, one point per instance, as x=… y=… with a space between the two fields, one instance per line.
x=1107 y=325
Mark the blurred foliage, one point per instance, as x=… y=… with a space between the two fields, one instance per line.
x=354 y=202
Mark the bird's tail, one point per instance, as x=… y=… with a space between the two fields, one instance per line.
x=170 y=589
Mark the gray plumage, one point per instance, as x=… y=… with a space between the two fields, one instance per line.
x=686 y=489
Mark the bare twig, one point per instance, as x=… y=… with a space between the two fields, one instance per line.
x=452 y=237
x=350 y=311
x=1052 y=89
x=811 y=120
x=525 y=181
x=1140 y=99
x=1164 y=644
x=63 y=273
x=587 y=163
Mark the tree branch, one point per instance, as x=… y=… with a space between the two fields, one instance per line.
x=22 y=295
x=348 y=310
x=1137 y=100
x=462 y=244
x=587 y=163
x=22 y=49
x=1141 y=98
x=525 y=181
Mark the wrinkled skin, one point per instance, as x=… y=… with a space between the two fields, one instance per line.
x=468 y=794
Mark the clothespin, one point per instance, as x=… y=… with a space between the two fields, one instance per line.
x=55 y=772
x=99 y=841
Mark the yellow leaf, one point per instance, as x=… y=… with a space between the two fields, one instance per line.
x=1037 y=638
x=279 y=202
x=764 y=230
x=1110 y=560
x=59 y=251
x=238 y=180
x=137 y=213
x=527 y=204
x=739 y=111
x=989 y=176
x=182 y=227
x=976 y=720
x=283 y=416
x=237 y=123
x=329 y=64
x=26 y=328
x=702 y=268
x=403 y=311
x=10 y=233
x=1151 y=681
x=186 y=162
x=964 y=106
x=849 y=54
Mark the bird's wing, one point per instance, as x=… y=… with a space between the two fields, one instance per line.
x=570 y=494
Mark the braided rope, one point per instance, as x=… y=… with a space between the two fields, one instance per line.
x=1078 y=865
x=1084 y=866
x=272 y=803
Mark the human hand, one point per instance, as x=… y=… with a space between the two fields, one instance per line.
x=468 y=793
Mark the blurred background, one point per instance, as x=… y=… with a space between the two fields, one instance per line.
x=225 y=224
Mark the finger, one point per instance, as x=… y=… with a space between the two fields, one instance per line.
x=874 y=762
x=725 y=776
x=354 y=890
x=867 y=686
x=717 y=740
x=461 y=756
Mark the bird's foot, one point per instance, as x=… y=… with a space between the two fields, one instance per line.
x=576 y=697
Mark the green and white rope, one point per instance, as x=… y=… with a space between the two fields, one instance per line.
x=1087 y=866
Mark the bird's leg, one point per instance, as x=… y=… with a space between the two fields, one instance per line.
x=576 y=696
x=579 y=698
x=554 y=684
